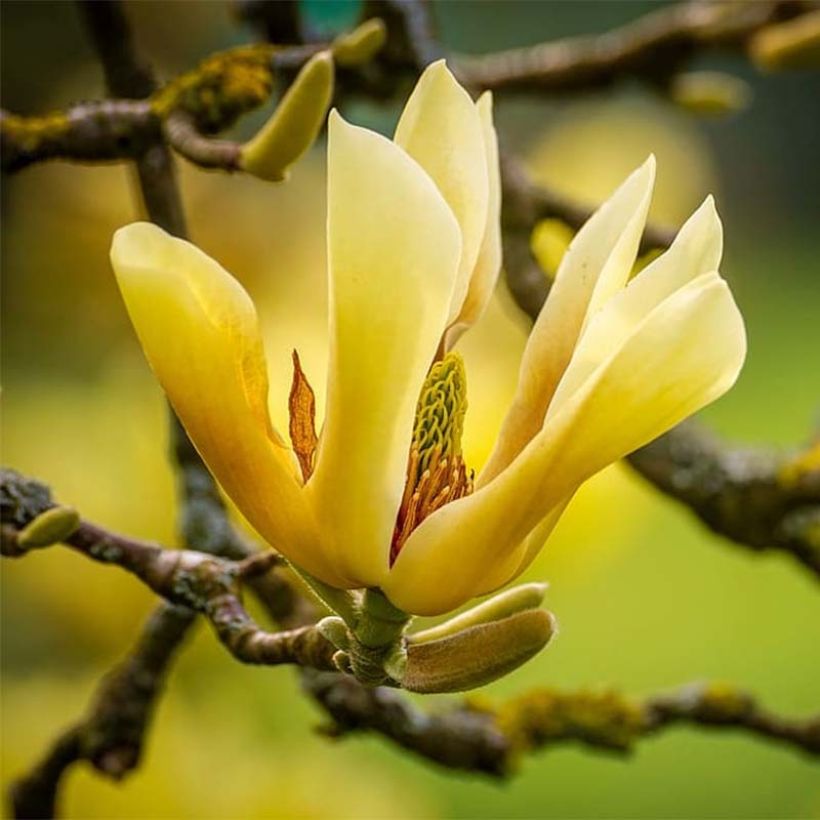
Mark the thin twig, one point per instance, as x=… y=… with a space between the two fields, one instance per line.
x=197 y=581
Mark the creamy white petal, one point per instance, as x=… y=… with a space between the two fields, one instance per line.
x=685 y=354
x=488 y=266
x=596 y=265
x=393 y=252
x=442 y=130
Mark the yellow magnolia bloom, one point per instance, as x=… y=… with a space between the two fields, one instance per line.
x=385 y=501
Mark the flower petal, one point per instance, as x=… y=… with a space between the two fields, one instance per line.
x=199 y=331
x=685 y=354
x=442 y=130
x=523 y=555
x=393 y=251
x=488 y=266
x=596 y=265
x=696 y=250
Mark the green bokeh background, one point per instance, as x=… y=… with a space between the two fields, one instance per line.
x=646 y=597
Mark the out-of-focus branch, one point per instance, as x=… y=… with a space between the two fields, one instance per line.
x=759 y=498
x=653 y=48
x=278 y=21
x=484 y=738
x=111 y=736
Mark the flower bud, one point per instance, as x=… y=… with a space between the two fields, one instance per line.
x=792 y=44
x=295 y=124
x=477 y=655
x=549 y=242
x=710 y=93
x=358 y=46
x=334 y=629
x=509 y=602
x=51 y=527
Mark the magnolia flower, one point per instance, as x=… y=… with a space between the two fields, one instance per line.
x=384 y=499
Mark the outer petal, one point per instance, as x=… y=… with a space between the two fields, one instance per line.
x=441 y=129
x=696 y=250
x=199 y=330
x=596 y=265
x=685 y=354
x=523 y=555
x=484 y=278
x=393 y=251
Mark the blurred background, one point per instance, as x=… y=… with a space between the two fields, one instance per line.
x=645 y=596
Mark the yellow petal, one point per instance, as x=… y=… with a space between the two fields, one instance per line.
x=484 y=277
x=199 y=331
x=696 y=250
x=393 y=248
x=442 y=130
x=596 y=265
x=523 y=555
x=685 y=354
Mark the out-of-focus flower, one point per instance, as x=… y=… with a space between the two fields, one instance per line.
x=383 y=499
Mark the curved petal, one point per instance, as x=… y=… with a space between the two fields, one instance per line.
x=524 y=554
x=685 y=354
x=696 y=250
x=442 y=130
x=199 y=331
x=393 y=251
x=596 y=265
x=488 y=266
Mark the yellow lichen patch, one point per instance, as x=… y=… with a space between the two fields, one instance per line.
x=797 y=469
x=722 y=703
x=31 y=132
x=603 y=718
x=436 y=473
x=221 y=88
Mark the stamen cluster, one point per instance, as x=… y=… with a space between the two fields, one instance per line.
x=436 y=473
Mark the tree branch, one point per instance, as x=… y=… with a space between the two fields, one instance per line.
x=197 y=581
x=653 y=48
x=482 y=738
x=759 y=498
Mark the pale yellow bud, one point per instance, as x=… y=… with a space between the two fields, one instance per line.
x=549 y=242
x=360 y=45
x=334 y=629
x=710 y=93
x=295 y=124
x=50 y=527
x=793 y=44
x=509 y=602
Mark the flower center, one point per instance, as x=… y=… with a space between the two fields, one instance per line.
x=436 y=473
